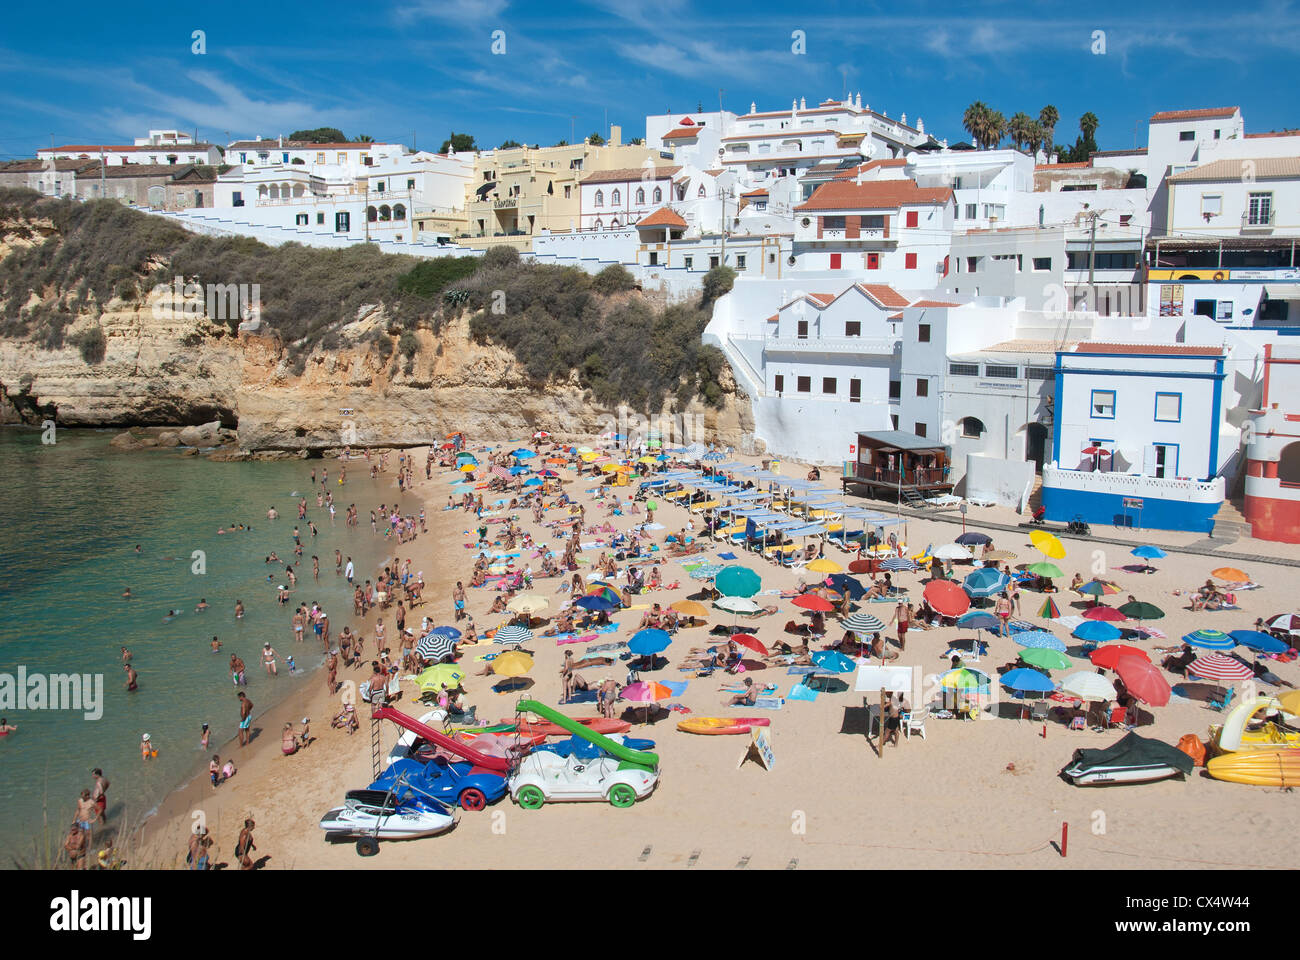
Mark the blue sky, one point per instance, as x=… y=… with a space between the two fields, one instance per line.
x=395 y=71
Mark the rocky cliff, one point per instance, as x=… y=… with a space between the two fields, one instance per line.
x=161 y=366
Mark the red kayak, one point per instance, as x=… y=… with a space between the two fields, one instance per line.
x=594 y=724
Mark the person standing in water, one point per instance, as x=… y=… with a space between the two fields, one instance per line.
x=131 y=677
x=268 y=659
x=245 y=718
x=239 y=609
x=203 y=739
x=99 y=793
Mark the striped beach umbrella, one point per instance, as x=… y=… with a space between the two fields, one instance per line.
x=1049 y=610
x=1209 y=639
x=862 y=622
x=512 y=636
x=893 y=564
x=1220 y=669
x=434 y=646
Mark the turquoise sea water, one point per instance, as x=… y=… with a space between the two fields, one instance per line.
x=71 y=515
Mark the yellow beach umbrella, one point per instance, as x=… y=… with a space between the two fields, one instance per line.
x=1048 y=544
x=527 y=603
x=646 y=459
x=1290 y=702
x=825 y=565
x=691 y=608
x=440 y=673
x=468 y=468
x=512 y=663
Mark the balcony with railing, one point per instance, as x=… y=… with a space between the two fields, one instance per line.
x=1259 y=220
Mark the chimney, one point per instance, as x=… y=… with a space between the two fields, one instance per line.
x=902 y=118
x=920 y=125
x=794 y=106
x=615 y=135
x=858 y=102
x=753 y=107
x=803 y=103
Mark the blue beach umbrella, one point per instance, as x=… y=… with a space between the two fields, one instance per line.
x=974 y=538
x=1026 y=680
x=833 y=661
x=1148 y=552
x=1097 y=631
x=533 y=482
x=1039 y=638
x=894 y=564
x=523 y=454
x=1209 y=639
x=648 y=642
x=595 y=604
x=447 y=632
x=846 y=584
x=1259 y=641
x=714 y=456
x=979 y=620
x=985 y=582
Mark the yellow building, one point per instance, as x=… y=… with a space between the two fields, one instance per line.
x=516 y=194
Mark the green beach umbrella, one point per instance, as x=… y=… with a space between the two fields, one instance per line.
x=1045 y=568
x=736 y=581
x=1141 y=610
x=438 y=674
x=1045 y=658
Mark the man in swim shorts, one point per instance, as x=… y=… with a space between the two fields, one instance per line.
x=245 y=718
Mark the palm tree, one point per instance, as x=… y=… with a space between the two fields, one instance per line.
x=1037 y=136
x=1048 y=117
x=997 y=129
x=1088 y=124
x=1018 y=128
x=975 y=120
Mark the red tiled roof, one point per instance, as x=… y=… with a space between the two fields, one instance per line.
x=825 y=298
x=1163 y=349
x=628 y=174
x=681 y=133
x=686 y=122
x=896 y=316
x=1203 y=114
x=663 y=217
x=883 y=294
x=1061 y=166
x=874 y=195
x=755 y=193
x=127 y=148
x=852 y=172
x=773 y=318
x=1274 y=133
x=935 y=303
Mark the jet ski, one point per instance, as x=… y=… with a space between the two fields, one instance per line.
x=377 y=813
x=1133 y=759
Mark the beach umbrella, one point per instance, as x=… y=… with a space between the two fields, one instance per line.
x=1210 y=639
x=601 y=589
x=952 y=551
x=810 y=601
x=824 y=565
x=1044 y=568
x=1047 y=544
x=964 y=678
x=691 y=608
x=468 y=467
x=1097 y=631
x=528 y=603
x=736 y=581
x=548 y=474
x=979 y=620
x=1104 y=613
x=999 y=555
x=986 y=582
x=714 y=456
x=1220 y=669
x=1087 y=685
x=434 y=646
x=749 y=641
x=1109 y=654
x=1231 y=575
x=1099 y=588
x=1148 y=552
x=1143 y=679
x=1283 y=621
x=648 y=642
x=833 y=661
x=946 y=597
x=1027 y=680
x=512 y=636
x=737 y=605
x=447 y=632
x=516 y=471
x=1045 y=659
x=1141 y=610
x=534 y=482
x=1290 y=702
x=1259 y=641
x=707 y=571
x=1039 y=639
x=645 y=693
x=892 y=564
x=1049 y=610
x=862 y=622
x=431 y=678
x=512 y=663
x=843 y=583
x=646 y=459
x=595 y=604
x=974 y=538
x=522 y=453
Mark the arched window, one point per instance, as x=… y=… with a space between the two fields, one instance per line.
x=385 y=212
x=600 y=225
x=600 y=198
x=615 y=224
x=399 y=212
x=616 y=198
x=274 y=193
x=658 y=195
x=640 y=195
x=372 y=214
x=972 y=428
x=286 y=191
x=700 y=192
x=298 y=189
x=261 y=191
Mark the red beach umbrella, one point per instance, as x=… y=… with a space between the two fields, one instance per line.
x=1100 y=612
x=750 y=641
x=1108 y=654
x=1144 y=680
x=810 y=601
x=947 y=597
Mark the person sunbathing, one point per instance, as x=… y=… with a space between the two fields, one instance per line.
x=746 y=699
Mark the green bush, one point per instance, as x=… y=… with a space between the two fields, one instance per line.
x=92 y=344
x=408 y=345
x=718 y=282
x=613 y=279
x=499 y=257
x=429 y=278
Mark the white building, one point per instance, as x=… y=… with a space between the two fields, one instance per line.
x=614 y=199
x=353 y=158
x=161 y=153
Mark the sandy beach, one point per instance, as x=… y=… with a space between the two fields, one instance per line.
x=970 y=794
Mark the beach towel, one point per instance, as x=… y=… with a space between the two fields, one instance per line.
x=603 y=647
x=573 y=638
x=764 y=689
x=727 y=556
x=581 y=696
x=801 y=692
x=800 y=671
x=769 y=703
